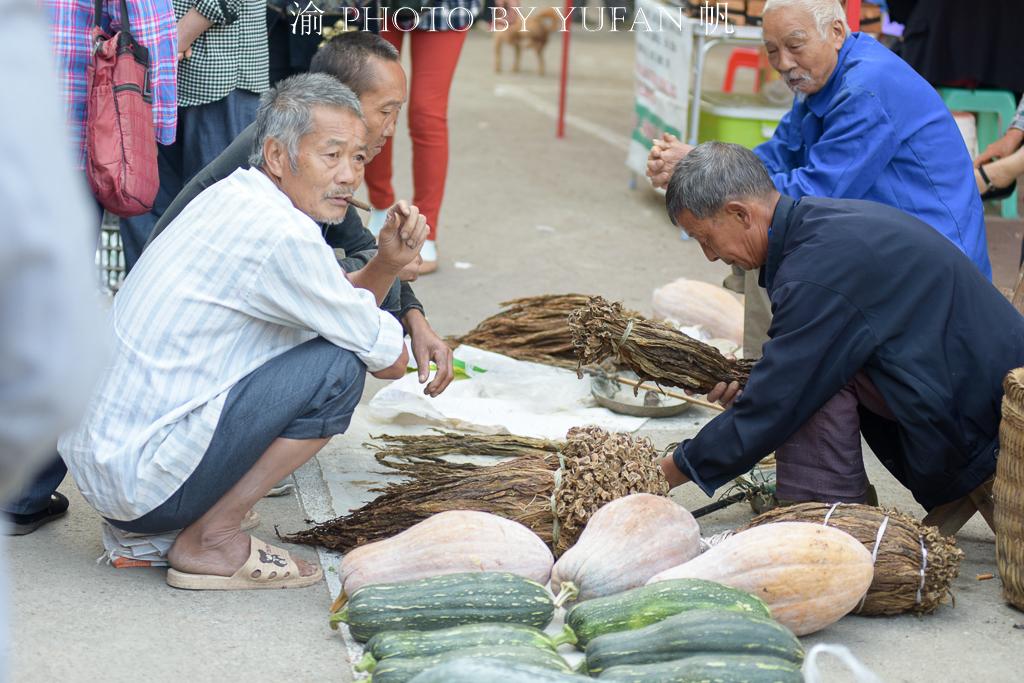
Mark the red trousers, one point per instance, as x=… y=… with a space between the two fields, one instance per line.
x=434 y=56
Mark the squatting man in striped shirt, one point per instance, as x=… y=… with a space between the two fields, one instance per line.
x=241 y=347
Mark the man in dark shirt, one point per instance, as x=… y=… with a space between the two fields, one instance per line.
x=370 y=66
x=915 y=364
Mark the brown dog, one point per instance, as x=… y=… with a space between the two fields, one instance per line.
x=537 y=27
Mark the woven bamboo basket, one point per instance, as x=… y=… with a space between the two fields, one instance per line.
x=1008 y=490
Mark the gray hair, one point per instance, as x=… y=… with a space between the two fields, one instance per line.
x=824 y=12
x=286 y=111
x=713 y=174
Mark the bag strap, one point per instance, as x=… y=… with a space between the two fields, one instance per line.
x=126 y=25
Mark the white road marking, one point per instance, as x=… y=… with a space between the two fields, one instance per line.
x=550 y=109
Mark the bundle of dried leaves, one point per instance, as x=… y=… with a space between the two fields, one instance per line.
x=592 y=468
x=905 y=548
x=452 y=443
x=653 y=350
x=533 y=328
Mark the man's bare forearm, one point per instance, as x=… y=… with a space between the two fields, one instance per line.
x=376 y=277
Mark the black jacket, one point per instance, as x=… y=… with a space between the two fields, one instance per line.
x=349 y=236
x=858 y=285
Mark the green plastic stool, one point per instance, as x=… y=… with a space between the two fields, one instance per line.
x=995 y=110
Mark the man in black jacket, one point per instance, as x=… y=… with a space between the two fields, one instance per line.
x=915 y=364
x=370 y=66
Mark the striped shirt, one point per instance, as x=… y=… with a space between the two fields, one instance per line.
x=153 y=26
x=240 y=277
x=230 y=55
x=1018 y=119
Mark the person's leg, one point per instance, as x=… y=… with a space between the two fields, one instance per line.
x=757 y=315
x=208 y=129
x=822 y=461
x=40 y=503
x=379 y=170
x=135 y=230
x=434 y=56
x=274 y=420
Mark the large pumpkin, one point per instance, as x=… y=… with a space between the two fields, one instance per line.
x=691 y=302
x=625 y=543
x=809 y=575
x=448 y=543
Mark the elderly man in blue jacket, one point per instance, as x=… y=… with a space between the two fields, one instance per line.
x=915 y=364
x=863 y=125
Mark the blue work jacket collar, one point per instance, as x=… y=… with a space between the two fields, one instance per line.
x=776 y=241
x=819 y=102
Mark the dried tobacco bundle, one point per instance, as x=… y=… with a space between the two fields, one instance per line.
x=592 y=468
x=652 y=350
x=534 y=328
x=906 y=546
x=452 y=443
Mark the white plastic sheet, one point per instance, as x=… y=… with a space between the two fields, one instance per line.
x=512 y=396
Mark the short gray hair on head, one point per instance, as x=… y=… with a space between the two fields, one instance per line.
x=824 y=12
x=286 y=111
x=713 y=174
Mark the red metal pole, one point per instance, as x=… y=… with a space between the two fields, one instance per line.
x=563 y=86
x=853 y=14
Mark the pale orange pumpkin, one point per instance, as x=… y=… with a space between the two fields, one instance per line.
x=809 y=575
x=625 y=543
x=449 y=543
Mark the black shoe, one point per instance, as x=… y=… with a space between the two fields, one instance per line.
x=992 y=192
x=26 y=524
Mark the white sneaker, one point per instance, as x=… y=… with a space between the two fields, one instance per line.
x=429 y=251
x=377 y=218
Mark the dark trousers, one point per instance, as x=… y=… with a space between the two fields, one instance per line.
x=308 y=392
x=823 y=461
x=203 y=133
x=36 y=495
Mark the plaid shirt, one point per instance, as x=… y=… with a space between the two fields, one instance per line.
x=230 y=55
x=1018 y=120
x=154 y=27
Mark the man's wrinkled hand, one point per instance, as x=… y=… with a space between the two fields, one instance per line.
x=725 y=394
x=665 y=154
x=402 y=236
x=673 y=475
x=1003 y=147
x=427 y=347
x=411 y=271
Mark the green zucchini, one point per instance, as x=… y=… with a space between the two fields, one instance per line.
x=425 y=643
x=404 y=669
x=697 y=632
x=471 y=670
x=647 y=605
x=708 y=669
x=444 y=601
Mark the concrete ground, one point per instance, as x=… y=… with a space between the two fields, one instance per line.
x=524 y=214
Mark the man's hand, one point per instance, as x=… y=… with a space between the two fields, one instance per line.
x=664 y=156
x=1003 y=147
x=412 y=271
x=191 y=25
x=725 y=394
x=672 y=473
x=402 y=236
x=427 y=347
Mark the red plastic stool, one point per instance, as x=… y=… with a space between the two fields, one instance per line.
x=743 y=58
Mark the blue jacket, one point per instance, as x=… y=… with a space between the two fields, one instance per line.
x=857 y=285
x=878 y=131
